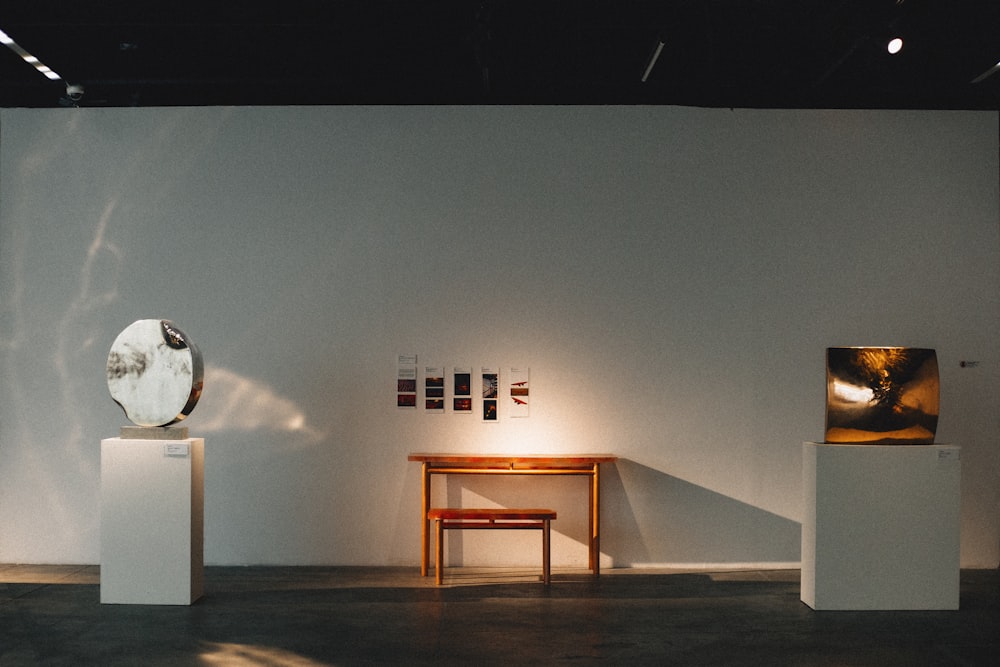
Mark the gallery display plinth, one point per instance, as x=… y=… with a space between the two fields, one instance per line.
x=152 y=521
x=881 y=526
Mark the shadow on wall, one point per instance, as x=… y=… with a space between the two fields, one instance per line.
x=566 y=494
x=650 y=518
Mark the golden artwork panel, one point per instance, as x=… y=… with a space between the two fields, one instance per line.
x=881 y=395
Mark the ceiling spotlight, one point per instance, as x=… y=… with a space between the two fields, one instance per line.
x=895 y=45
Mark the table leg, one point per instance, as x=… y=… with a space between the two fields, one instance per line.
x=439 y=552
x=425 y=506
x=595 y=508
x=546 y=551
x=590 y=523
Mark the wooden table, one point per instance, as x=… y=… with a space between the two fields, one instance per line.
x=514 y=464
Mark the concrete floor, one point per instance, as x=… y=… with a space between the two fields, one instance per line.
x=302 y=616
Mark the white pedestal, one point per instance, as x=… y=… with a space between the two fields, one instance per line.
x=881 y=526
x=152 y=521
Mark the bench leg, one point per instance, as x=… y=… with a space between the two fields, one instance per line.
x=439 y=551
x=546 y=563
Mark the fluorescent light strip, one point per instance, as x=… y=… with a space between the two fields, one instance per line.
x=652 y=60
x=47 y=72
x=990 y=72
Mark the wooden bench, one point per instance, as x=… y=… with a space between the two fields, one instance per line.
x=503 y=519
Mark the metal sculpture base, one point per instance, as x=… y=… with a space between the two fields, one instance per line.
x=153 y=433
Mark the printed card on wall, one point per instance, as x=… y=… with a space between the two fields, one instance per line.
x=406 y=381
x=434 y=389
x=491 y=387
x=519 y=389
x=462 y=391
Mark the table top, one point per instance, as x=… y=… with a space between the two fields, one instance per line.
x=537 y=460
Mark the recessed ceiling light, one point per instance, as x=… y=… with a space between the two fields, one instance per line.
x=895 y=45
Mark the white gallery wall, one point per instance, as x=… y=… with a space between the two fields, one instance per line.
x=671 y=277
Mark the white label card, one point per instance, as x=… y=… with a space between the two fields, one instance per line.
x=177 y=450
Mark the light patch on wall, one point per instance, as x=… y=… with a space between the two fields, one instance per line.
x=232 y=402
x=97 y=287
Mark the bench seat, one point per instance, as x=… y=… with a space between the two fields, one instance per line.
x=451 y=518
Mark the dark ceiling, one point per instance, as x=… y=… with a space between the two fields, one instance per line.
x=716 y=53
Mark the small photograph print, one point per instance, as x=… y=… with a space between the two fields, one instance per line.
x=490 y=384
x=462 y=390
x=519 y=392
x=434 y=388
x=406 y=381
x=463 y=382
x=491 y=391
x=434 y=381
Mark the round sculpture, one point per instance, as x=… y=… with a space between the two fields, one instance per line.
x=155 y=373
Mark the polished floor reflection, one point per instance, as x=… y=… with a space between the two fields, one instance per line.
x=302 y=616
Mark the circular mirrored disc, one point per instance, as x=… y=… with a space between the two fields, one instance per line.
x=155 y=373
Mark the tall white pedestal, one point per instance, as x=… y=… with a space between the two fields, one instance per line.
x=881 y=526
x=152 y=521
